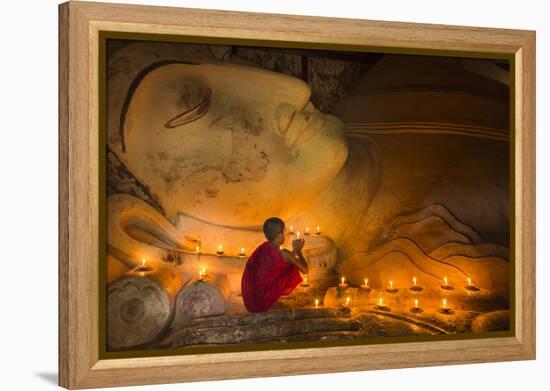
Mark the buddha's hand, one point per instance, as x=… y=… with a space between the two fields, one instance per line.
x=297 y=245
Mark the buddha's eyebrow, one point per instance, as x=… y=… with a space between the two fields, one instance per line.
x=193 y=113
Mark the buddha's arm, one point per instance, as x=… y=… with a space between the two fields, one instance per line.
x=296 y=259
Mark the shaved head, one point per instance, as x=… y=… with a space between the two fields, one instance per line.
x=272 y=227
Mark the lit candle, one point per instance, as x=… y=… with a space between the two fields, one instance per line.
x=471 y=286
x=348 y=300
x=197 y=249
x=143 y=262
x=365 y=284
x=242 y=253
x=220 y=250
x=304 y=283
x=416 y=304
x=343 y=282
x=444 y=307
x=202 y=273
x=318 y=230
x=391 y=288
x=415 y=286
x=307 y=231
x=291 y=229
x=316 y=303
x=298 y=234
x=381 y=305
x=446 y=284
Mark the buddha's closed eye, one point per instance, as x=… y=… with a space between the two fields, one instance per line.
x=193 y=114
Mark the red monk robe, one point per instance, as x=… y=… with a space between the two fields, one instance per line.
x=267 y=276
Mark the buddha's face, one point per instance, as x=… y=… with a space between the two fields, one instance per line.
x=230 y=145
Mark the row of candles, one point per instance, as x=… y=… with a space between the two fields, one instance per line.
x=414 y=287
x=220 y=251
x=381 y=305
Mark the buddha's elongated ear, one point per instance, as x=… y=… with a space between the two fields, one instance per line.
x=193 y=113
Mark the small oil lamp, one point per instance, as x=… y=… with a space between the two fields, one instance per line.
x=298 y=235
x=202 y=273
x=304 y=283
x=445 y=307
x=365 y=284
x=343 y=283
x=415 y=287
x=380 y=304
x=471 y=286
x=316 y=303
x=242 y=254
x=198 y=249
x=219 y=251
x=348 y=301
x=307 y=231
x=446 y=284
x=143 y=268
x=391 y=288
x=416 y=307
x=318 y=230
x=291 y=230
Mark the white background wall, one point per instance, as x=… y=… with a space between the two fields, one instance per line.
x=28 y=191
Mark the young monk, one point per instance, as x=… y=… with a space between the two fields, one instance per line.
x=271 y=272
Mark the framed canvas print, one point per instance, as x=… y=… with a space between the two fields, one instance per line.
x=248 y=195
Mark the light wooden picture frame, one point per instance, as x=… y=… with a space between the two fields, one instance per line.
x=82 y=27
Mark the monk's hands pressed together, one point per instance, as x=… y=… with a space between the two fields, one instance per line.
x=297 y=245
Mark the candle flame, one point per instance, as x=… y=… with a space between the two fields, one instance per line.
x=343 y=279
x=445 y=281
x=348 y=299
x=291 y=229
x=414 y=281
x=298 y=234
x=444 y=304
x=470 y=281
x=366 y=282
x=391 y=284
x=143 y=262
x=316 y=303
x=220 y=248
x=198 y=249
x=415 y=303
x=307 y=230
x=380 y=302
x=242 y=250
x=318 y=229
x=305 y=279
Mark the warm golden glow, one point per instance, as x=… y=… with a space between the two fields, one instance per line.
x=391 y=284
x=444 y=305
x=366 y=282
x=318 y=230
x=291 y=229
x=316 y=303
x=298 y=234
x=198 y=249
x=381 y=301
x=348 y=299
x=307 y=231
x=343 y=281
x=445 y=281
x=416 y=303
x=470 y=281
x=305 y=279
x=414 y=281
x=242 y=251
x=143 y=261
x=202 y=272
